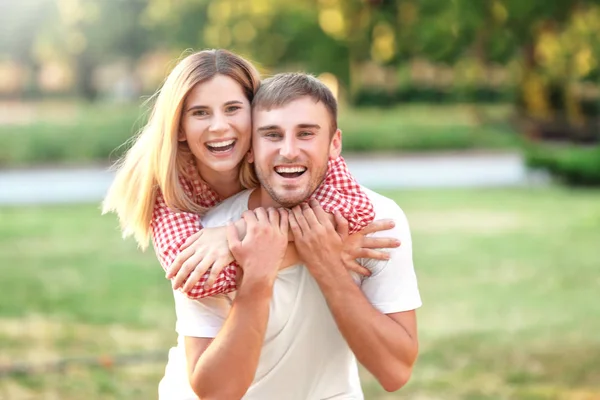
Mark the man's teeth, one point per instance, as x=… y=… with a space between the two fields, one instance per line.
x=221 y=144
x=290 y=170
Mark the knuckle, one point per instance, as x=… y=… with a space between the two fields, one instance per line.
x=222 y=253
x=320 y=230
x=186 y=266
x=247 y=214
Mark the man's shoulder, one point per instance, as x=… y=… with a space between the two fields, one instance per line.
x=384 y=206
x=228 y=210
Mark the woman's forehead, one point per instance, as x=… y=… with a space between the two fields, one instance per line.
x=218 y=90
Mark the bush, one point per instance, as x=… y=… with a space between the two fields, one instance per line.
x=572 y=165
x=382 y=97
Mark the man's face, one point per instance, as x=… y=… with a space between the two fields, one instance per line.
x=291 y=146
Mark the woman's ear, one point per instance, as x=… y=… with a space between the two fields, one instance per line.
x=181 y=136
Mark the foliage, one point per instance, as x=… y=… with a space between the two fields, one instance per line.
x=578 y=166
x=381 y=97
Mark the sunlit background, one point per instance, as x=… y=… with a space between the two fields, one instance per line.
x=480 y=118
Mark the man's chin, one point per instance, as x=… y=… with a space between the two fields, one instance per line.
x=289 y=200
x=290 y=203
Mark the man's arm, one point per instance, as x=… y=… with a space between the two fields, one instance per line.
x=224 y=367
x=385 y=342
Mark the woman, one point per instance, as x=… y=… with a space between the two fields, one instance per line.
x=190 y=156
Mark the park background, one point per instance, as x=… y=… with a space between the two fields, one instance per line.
x=439 y=89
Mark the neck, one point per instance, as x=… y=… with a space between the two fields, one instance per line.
x=226 y=183
x=260 y=198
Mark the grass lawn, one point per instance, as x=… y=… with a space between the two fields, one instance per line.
x=509 y=280
x=73 y=133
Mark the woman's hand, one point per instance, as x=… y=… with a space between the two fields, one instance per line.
x=359 y=245
x=203 y=251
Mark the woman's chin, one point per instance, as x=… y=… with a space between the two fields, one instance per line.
x=224 y=165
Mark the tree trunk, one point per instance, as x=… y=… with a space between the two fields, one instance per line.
x=84 y=85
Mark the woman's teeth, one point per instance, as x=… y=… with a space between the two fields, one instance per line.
x=220 y=147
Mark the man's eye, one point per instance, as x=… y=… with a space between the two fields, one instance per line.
x=307 y=133
x=273 y=135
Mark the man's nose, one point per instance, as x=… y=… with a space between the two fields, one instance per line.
x=218 y=123
x=289 y=148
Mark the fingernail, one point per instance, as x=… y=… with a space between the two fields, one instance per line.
x=397 y=243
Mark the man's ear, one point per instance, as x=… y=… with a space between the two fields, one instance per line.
x=335 y=147
x=250 y=156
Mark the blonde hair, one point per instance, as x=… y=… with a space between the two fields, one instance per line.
x=157 y=160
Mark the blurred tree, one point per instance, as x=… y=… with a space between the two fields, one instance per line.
x=100 y=32
x=20 y=25
x=84 y=33
x=554 y=40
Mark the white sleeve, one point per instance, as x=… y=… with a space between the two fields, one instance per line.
x=200 y=318
x=392 y=287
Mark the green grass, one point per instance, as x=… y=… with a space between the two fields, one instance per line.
x=509 y=280
x=73 y=133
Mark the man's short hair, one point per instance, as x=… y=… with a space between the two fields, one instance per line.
x=281 y=89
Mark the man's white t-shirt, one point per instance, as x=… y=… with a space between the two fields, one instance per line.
x=304 y=356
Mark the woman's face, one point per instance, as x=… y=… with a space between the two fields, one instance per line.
x=216 y=123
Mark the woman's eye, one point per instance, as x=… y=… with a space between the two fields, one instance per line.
x=232 y=108
x=200 y=113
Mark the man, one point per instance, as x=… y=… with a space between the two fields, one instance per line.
x=296 y=332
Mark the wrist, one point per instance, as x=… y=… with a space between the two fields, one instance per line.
x=328 y=270
x=256 y=284
x=339 y=285
x=331 y=276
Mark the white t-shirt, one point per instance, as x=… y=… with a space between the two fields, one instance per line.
x=304 y=356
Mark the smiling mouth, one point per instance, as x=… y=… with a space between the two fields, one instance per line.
x=290 y=172
x=220 y=147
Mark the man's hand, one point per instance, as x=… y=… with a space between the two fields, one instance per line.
x=319 y=244
x=262 y=250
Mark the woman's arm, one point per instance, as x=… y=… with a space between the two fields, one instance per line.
x=207 y=251
x=170 y=231
x=341 y=192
